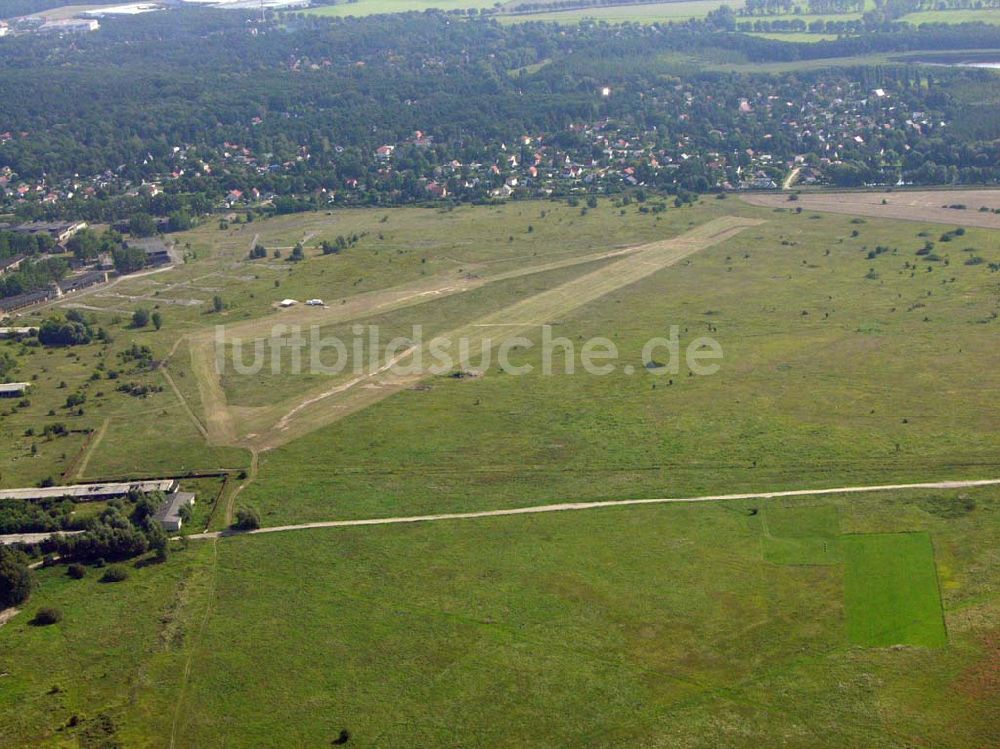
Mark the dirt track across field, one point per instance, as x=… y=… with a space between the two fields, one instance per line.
x=908 y=205
x=264 y=428
x=570 y=506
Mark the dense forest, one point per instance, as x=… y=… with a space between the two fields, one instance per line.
x=209 y=104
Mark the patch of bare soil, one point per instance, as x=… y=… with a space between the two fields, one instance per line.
x=7 y=614
x=981 y=680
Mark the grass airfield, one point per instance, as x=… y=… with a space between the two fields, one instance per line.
x=829 y=378
x=823 y=622
x=276 y=421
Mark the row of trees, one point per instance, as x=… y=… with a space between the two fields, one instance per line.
x=813 y=7
x=21 y=243
x=15 y=577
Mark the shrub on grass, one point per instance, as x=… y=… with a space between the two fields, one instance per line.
x=76 y=571
x=114 y=574
x=247 y=519
x=46 y=616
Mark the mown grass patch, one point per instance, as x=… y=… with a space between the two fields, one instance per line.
x=891 y=592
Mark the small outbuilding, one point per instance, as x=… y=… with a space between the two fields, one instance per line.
x=90 y=492
x=11 y=264
x=169 y=514
x=157 y=251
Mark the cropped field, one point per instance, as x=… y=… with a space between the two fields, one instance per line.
x=375 y=7
x=891 y=594
x=792 y=36
x=967 y=15
x=681 y=10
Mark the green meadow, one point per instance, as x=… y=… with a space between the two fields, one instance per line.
x=115 y=643
x=660 y=626
x=801 y=534
x=112 y=433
